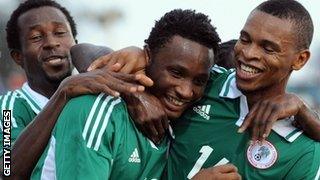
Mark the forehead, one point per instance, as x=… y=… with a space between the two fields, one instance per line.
x=268 y=27
x=182 y=50
x=41 y=15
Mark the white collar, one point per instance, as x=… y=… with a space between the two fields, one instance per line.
x=282 y=127
x=39 y=99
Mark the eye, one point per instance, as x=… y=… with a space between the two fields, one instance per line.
x=36 y=38
x=175 y=73
x=60 y=33
x=244 y=39
x=268 y=49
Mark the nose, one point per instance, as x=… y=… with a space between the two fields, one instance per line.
x=51 y=42
x=251 y=52
x=185 y=90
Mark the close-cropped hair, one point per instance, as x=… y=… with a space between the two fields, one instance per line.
x=187 y=24
x=294 y=12
x=13 y=30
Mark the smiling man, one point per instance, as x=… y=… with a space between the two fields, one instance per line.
x=95 y=136
x=40 y=34
x=274 y=41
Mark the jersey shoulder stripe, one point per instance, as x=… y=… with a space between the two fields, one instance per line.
x=7 y=103
x=105 y=123
x=34 y=106
x=92 y=111
x=219 y=69
x=226 y=88
x=98 y=118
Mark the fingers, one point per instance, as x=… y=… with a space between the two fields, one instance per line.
x=231 y=176
x=144 y=80
x=116 y=67
x=269 y=123
x=259 y=121
x=248 y=120
x=165 y=122
x=100 y=62
x=227 y=168
x=151 y=132
x=128 y=67
x=124 y=83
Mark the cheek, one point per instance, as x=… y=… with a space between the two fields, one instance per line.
x=68 y=42
x=198 y=93
x=237 y=48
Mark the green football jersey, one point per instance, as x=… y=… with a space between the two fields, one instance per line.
x=24 y=108
x=95 y=138
x=207 y=136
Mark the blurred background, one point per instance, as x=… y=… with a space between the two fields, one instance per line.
x=121 y=23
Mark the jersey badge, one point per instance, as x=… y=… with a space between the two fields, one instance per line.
x=262 y=155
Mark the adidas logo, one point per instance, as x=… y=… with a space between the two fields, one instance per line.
x=134 y=156
x=203 y=111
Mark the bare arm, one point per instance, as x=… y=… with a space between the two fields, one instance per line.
x=309 y=121
x=33 y=140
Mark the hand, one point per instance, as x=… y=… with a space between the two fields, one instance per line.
x=102 y=80
x=266 y=112
x=223 y=172
x=131 y=60
x=148 y=115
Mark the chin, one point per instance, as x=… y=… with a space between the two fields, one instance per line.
x=58 y=77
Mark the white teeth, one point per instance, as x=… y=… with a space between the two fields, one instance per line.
x=55 y=61
x=249 y=69
x=175 y=101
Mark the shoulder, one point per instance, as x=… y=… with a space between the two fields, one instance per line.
x=93 y=103
x=218 y=77
x=15 y=101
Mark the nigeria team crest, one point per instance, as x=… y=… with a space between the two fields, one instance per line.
x=262 y=156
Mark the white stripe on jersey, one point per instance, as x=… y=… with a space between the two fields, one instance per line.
x=13 y=120
x=219 y=69
x=318 y=174
x=88 y=121
x=35 y=109
x=97 y=121
x=105 y=123
x=3 y=106
x=49 y=166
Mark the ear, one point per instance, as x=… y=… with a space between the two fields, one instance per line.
x=147 y=54
x=17 y=57
x=302 y=59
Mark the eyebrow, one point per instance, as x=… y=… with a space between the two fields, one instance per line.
x=32 y=27
x=267 y=42
x=243 y=32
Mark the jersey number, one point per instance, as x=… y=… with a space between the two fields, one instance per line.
x=205 y=153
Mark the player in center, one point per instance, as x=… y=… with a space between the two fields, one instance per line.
x=95 y=138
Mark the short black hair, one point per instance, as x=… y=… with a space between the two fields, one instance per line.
x=185 y=23
x=13 y=30
x=225 y=55
x=296 y=13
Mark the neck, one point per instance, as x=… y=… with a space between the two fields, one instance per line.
x=265 y=93
x=45 y=88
